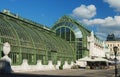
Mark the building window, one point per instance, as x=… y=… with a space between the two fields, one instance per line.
x=63 y=32
x=110 y=45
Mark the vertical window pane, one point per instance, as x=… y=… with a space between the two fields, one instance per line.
x=67 y=34
x=72 y=36
x=58 y=32
x=63 y=33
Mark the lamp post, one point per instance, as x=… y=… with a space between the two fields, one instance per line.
x=115 y=48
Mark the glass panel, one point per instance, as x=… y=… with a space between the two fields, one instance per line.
x=14 y=57
x=67 y=34
x=49 y=55
x=78 y=33
x=79 y=49
x=72 y=36
x=22 y=34
x=58 y=32
x=63 y=32
x=7 y=33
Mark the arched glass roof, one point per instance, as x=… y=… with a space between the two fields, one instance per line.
x=28 y=35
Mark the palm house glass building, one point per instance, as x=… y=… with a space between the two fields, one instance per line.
x=65 y=41
x=74 y=33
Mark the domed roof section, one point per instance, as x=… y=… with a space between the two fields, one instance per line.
x=26 y=33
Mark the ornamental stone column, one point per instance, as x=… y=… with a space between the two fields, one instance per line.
x=6 y=51
x=91 y=41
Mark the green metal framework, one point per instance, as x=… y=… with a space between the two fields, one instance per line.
x=73 y=32
x=32 y=41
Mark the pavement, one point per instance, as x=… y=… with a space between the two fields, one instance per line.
x=63 y=73
x=66 y=73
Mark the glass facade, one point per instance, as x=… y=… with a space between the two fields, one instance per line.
x=73 y=36
x=74 y=33
x=33 y=41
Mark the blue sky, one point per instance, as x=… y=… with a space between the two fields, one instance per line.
x=103 y=16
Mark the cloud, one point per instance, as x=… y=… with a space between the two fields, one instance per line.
x=104 y=31
x=109 y=21
x=102 y=27
x=105 y=26
x=114 y=4
x=101 y=35
x=84 y=11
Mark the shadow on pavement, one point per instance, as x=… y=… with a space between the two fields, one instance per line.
x=33 y=75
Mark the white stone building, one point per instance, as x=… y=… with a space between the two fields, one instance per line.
x=110 y=45
x=97 y=48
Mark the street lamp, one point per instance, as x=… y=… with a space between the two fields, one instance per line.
x=115 y=48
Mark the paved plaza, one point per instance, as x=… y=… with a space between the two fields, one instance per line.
x=65 y=73
x=77 y=73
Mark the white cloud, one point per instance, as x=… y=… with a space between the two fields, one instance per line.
x=114 y=4
x=85 y=11
x=109 y=21
x=105 y=26
x=101 y=35
x=104 y=31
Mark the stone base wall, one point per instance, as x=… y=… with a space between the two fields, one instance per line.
x=39 y=67
x=67 y=66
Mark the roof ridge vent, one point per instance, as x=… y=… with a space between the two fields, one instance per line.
x=6 y=11
x=10 y=14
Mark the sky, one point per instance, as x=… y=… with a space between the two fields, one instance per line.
x=100 y=16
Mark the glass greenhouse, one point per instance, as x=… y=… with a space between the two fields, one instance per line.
x=75 y=33
x=32 y=41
